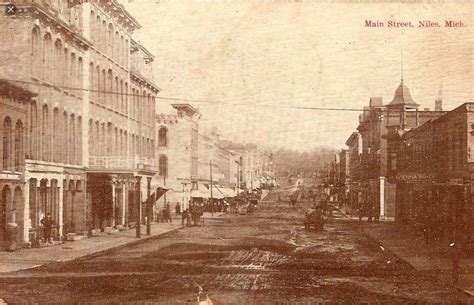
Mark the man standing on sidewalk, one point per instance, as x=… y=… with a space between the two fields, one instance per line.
x=178 y=209
x=184 y=217
x=47 y=223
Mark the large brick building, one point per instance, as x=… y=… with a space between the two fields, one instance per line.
x=435 y=176
x=88 y=132
x=376 y=171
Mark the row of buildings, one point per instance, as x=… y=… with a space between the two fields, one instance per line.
x=410 y=165
x=81 y=137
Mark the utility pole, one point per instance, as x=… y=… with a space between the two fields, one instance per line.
x=238 y=178
x=139 y=205
x=148 y=207
x=210 y=174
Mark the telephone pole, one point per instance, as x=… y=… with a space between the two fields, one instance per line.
x=139 y=205
x=210 y=174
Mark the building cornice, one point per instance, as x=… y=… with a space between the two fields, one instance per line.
x=51 y=17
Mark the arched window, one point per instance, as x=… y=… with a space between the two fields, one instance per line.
x=79 y=75
x=46 y=58
x=115 y=94
x=35 y=52
x=121 y=55
x=92 y=81
x=64 y=139
x=122 y=100
x=148 y=104
x=163 y=166
x=116 y=47
x=147 y=148
x=93 y=27
x=103 y=140
x=96 y=148
x=57 y=55
x=98 y=83
x=103 y=88
x=163 y=137
x=109 y=97
x=18 y=146
x=72 y=70
x=109 y=139
x=7 y=143
x=116 y=143
x=120 y=149
x=127 y=52
x=126 y=97
x=79 y=141
x=33 y=131
x=91 y=136
x=45 y=146
x=103 y=31
x=56 y=145
x=65 y=68
x=72 y=140
x=125 y=144
x=110 y=39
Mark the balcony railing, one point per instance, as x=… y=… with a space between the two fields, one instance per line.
x=119 y=162
x=111 y=162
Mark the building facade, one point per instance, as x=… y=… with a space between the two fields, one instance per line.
x=435 y=177
x=379 y=154
x=177 y=154
x=89 y=130
x=14 y=103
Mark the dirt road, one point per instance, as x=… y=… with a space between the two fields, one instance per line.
x=264 y=257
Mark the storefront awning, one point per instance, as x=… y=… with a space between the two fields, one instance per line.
x=201 y=192
x=217 y=193
x=157 y=188
x=227 y=192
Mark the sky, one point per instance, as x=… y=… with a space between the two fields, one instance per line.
x=250 y=63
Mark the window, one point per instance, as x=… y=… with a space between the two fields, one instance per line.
x=56 y=128
x=18 y=145
x=163 y=166
x=7 y=130
x=46 y=58
x=35 y=51
x=45 y=146
x=163 y=137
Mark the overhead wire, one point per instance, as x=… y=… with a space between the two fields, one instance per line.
x=185 y=99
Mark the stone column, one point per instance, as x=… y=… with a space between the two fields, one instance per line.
x=26 y=211
x=114 y=199
x=61 y=206
x=124 y=198
x=382 y=197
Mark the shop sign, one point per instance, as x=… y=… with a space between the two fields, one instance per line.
x=416 y=176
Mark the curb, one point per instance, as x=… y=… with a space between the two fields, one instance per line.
x=102 y=252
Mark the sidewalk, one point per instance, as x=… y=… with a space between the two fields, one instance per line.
x=432 y=259
x=35 y=257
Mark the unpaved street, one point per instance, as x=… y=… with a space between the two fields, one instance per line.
x=266 y=256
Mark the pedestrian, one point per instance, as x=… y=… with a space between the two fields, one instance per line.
x=184 y=216
x=47 y=223
x=168 y=213
x=178 y=209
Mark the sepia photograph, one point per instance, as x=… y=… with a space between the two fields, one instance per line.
x=207 y=152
